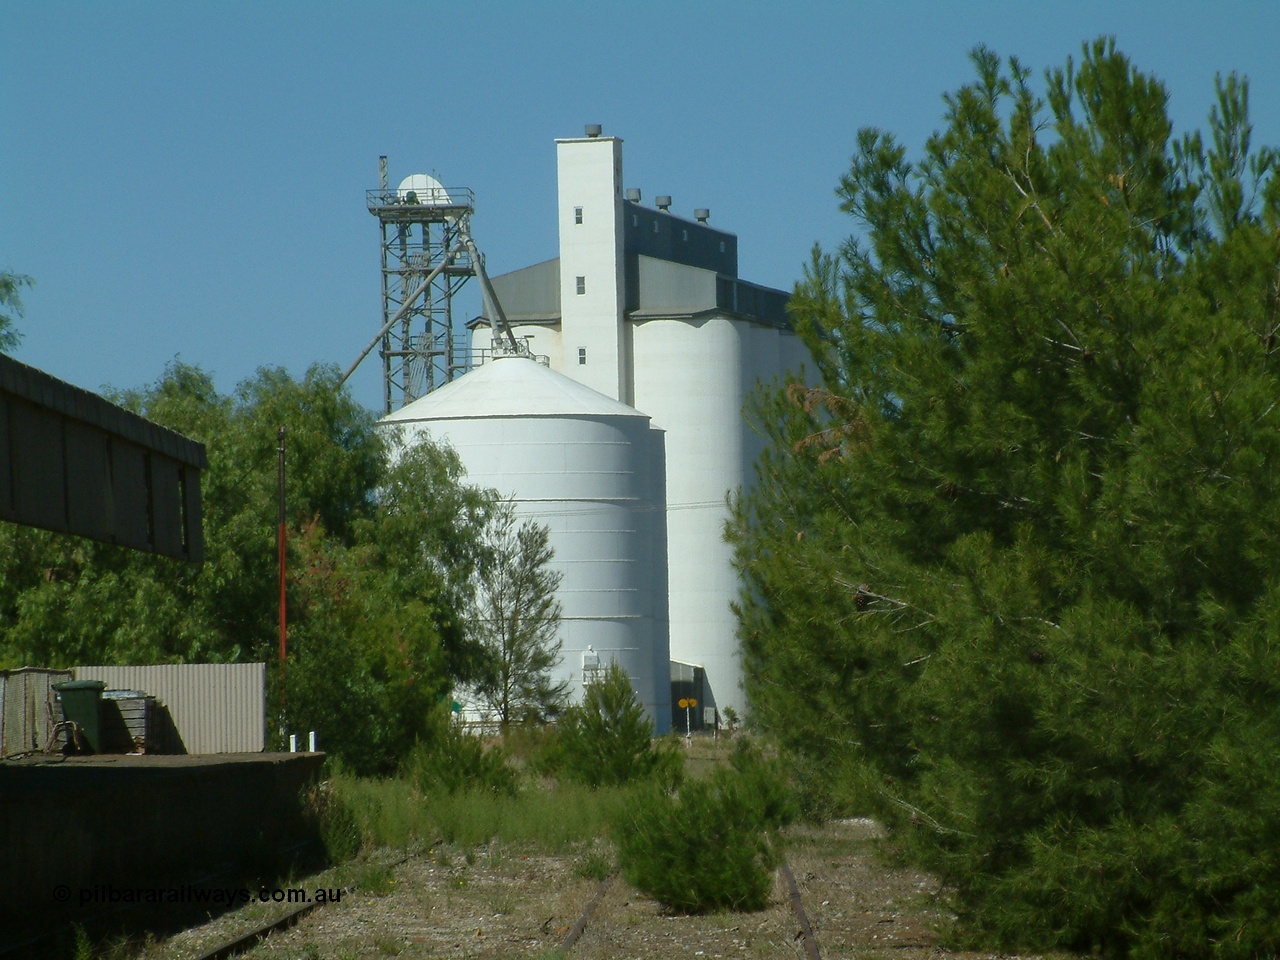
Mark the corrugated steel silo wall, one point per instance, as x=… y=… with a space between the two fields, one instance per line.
x=216 y=707
x=594 y=483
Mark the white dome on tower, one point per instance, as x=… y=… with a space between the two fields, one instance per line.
x=424 y=189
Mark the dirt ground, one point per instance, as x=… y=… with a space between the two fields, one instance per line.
x=499 y=901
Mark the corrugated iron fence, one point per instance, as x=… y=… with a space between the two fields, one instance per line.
x=216 y=707
x=27 y=708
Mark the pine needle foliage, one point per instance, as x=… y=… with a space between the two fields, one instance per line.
x=448 y=760
x=1013 y=565
x=714 y=843
x=606 y=740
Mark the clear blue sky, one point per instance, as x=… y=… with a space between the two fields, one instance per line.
x=187 y=179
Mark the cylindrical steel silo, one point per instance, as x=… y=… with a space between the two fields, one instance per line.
x=592 y=470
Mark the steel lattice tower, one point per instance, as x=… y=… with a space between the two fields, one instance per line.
x=424 y=264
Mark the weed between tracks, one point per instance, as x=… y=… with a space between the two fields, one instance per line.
x=393 y=813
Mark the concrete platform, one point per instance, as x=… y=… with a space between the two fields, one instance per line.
x=86 y=823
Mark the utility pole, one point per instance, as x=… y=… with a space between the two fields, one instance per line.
x=280 y=540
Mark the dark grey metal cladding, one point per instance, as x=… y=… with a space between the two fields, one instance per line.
x=765 y=304
x=659 y=287
x=654 y=233
x=75 y=463
x=532 y=293
x=20 y=380
x=656 y=288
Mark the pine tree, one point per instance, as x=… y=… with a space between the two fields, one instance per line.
x=1012 y=566
x=607 y=739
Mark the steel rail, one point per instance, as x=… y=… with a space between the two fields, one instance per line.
x=806 y=929
x=246 y=941
x=576 y=931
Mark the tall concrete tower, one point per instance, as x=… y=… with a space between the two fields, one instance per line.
x=646 y=307
x=592 y=278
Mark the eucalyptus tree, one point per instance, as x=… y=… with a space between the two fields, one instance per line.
x=11 y=308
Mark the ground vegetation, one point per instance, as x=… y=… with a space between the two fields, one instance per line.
x=712 y=843
x=607 y=740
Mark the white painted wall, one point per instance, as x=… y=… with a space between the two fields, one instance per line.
x=589 y=174
x=692 y=376
x=544 y=341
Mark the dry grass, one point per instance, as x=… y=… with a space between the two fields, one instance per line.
x=513 y=876
x=502 y=900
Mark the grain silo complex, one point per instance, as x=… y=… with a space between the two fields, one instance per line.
x=644 y=313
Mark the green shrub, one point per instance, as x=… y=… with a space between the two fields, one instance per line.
x=450 y=760
x=593 y=864
x=714 y=844
x=765 y=783
x=335 y=821
x=731 y=721
x=607 y=740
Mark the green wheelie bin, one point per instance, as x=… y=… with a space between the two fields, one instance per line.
x=82 y=704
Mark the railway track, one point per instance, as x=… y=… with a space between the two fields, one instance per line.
x=607 y=897
x=607 y=912
x=805 y=935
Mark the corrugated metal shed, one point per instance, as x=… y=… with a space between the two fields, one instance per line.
x=216 y=707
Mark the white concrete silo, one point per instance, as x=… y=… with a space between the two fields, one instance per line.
x=709 y=455
x=592 y=470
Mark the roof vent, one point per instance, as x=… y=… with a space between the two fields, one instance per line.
x=702 y=214
x=633 y=194
x=592 y=129
x=664 y=203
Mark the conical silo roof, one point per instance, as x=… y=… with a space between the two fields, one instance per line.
x=511 y=387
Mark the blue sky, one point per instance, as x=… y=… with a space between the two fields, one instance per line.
x=187 y=179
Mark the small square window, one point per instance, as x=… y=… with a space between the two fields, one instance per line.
x=582 y=285
x=582 y=356
x=577 y=214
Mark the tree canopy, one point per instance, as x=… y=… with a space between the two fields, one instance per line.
x=11 y=308
x=381 y=556
x=1011 y=565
